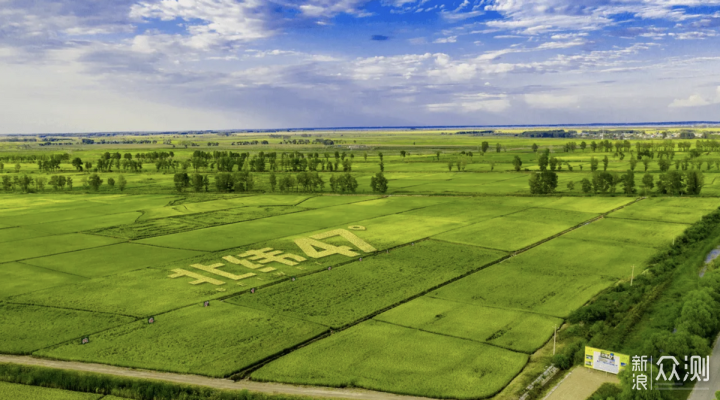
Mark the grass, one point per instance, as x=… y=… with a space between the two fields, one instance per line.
x=28 y=328
x=518 y=331
x=13 y=391
x=126 y=257
x=620 y=232
x=346 y=294
x=214 y=341
x=21 y=278
x=652 y=212
x=380 y=356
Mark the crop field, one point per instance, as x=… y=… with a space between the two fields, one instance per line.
x=367 y=356
x=449 y=284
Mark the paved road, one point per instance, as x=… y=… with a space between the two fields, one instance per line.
x=268 y=388
x=706 y=390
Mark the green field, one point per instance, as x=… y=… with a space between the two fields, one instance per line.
x=348 y=293
x=216 y=340
x=449 y=285
x=367 y=356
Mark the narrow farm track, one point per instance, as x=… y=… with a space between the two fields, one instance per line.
x=225 y=384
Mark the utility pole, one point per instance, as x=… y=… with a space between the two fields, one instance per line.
x=554 y=339
x=632 y=276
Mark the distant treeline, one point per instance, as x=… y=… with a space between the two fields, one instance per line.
x=474 y=133
x=557 y=133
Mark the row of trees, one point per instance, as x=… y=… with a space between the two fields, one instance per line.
x=673 y=183
x=242 y=181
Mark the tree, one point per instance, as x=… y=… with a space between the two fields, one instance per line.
x=535 y=148
x=543 y=162
x=382 y=167
x=94 y=181
x=553 y=163
x=69 y=183
x=484 y=147
x=6 y=183
x=695 y=181
x=437 y=154
x=273 y=179
x=605 y=163
x=77 y=163
x=181 y=181
x=17 y=168
x=648 y=182
x=664 y=164
x=122 y=182
x=633 y=163
x=593 y=146
x=544 y=182
x=699 y=314
x=379 y=154
x=402 y=153
x=593 y=164
x=583 y=145
x=586 y=186
x=497 y=148
x=40 y=183
x=571 y=185
x=450 y=165
x=628 y=182
x=379 y=183
x=287 y=182
x=646 y=162
x=111 y=182
x=517 y=163
x=672 y=183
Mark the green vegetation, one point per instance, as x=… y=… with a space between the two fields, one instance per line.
x=366 y=356
x=10 y=391
x=29 y=328
x=348 y=293
x=441 y=260
x=215 y=341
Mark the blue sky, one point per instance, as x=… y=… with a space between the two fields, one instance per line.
x=88 y=65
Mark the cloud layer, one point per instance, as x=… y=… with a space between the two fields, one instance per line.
x=84 y=65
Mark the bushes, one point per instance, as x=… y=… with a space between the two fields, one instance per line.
x=132 y=388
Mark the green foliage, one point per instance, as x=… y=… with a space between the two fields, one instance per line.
x=132 y=388
x=379 y=183
x=517 y=163
x=94 y=181
x=16 y=391
x=544 y=182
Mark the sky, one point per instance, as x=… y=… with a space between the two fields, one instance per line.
x=159 y=65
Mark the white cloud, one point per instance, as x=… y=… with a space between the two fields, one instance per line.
x=449 y=39
x=473 y=103
x=696 y=100
x=550 y=101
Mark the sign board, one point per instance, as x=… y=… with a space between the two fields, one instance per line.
x=603 y=360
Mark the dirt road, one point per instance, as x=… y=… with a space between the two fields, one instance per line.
x=262 y=387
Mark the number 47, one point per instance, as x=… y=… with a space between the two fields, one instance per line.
x=309 y=245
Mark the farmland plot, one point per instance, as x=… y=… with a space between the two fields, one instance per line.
x=38 y=247
x=519 y=331
x=27 y=328
x=21 y=278
x=215 y=341
x=345 y=294
x=380 y=356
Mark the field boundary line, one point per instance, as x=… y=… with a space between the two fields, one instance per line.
x=496 y=307
x=654 y=220
x=72 y=309
x=244 y=373
x=217 y=383
x=454 y=337
x=66 y=252
x=47 y=269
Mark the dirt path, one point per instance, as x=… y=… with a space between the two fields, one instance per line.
x=580 y=383
x=262 y=387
